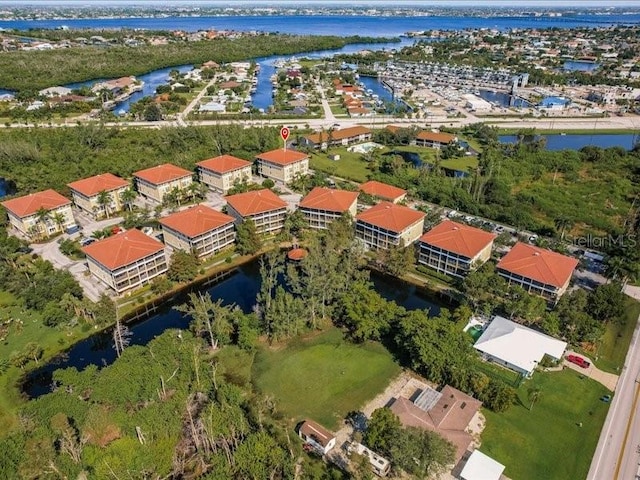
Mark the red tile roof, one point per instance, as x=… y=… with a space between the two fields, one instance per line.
x=196 y=220
x=93 y=185
x=390 y=216
x=329 y=199
x=336 y=135
x=458 y=238
x=538 y=264
x=252 y=203
x=382 y=190
x=435 y=137
x=223 y=164
x=282 y=157
x=122 y=249
x=162 y=174
x=297 y=254
x=30 y=204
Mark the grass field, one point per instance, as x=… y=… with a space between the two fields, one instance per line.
x=548 y=441
x=350 y=166
x=323 y=377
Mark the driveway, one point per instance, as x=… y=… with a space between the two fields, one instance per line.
x=609 y=380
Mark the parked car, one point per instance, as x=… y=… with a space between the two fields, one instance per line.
x=581 y=362
x=606 y=398
x=87 y=241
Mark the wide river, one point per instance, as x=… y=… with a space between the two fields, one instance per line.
x=240 y=287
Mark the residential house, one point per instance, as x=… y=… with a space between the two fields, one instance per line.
x=40 y=214
x=517 y=347
x=454 y=248
x=127 y=260
x=323 y=205
x=155 y=182
x=86 y=194
x=317 y=436
x=283 y=165
x=537 y=270
x=387 y=224
x=344 y=136
x=198 y=229
x=427 y=138
x=265 y=208
x=221 y=173
x=448 y=413
x=383 y=191
x=481 y=467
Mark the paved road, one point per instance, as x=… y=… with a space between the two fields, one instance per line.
x=617 y=455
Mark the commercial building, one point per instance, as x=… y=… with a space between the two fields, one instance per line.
x=282 y=165
x=40 y=215
x=221 y=173
x=323 y=205
x=454 y=248
x=86 y=194
x=265 y=208
x=383 y=191
x=126 y=260
x=344 y=136
x=517 y=347
x=199 y=229
x=154 y=183
x=387 y=224
x=537 y=270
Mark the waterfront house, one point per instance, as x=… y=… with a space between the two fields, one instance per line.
x=267 y=210
x=155 y=182
x=454 y=248
x=383 y=191
x=221 y=173
x=318 y=437
x=387 y=224
x=537 y=270
x=283 y=165
x=344 y=136
x=199 y=229
x=86 y=194
x=517 y=347
x=40 y=215
x=426 y=138
x=127 y=260
x=323 y=205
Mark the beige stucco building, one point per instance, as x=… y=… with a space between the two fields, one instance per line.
x=126 y=260
x=85 y=194
x=221 y=173
x=282 y=165
x=25 y=214
x=199 y=229
x=387 y=224
x=154 y=183
x=323 y=205
x=265 y=208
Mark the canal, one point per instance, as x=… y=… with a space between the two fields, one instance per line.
x=576 y=142
x=239 y=287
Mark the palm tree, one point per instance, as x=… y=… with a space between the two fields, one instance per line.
x=128 y=196
x=562 y=224
x=42 y=216
x=534 y=395
x=104 y=200
x=60 y=219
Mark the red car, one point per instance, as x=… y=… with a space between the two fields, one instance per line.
x=581 y=362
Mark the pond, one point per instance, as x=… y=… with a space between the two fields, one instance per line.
x=239 y=287
x=580 y=66
x=576 y=142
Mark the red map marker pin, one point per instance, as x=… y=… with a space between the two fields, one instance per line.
x=284 y=133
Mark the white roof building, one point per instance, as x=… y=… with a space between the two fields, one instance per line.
x=481 y=467
x=55 y=92
x=516 y=346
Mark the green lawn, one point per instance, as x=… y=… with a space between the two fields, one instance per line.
x=548 y=441
x=324 y=377
x=616 y=339
x=350 y=166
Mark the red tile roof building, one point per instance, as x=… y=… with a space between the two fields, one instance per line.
x=283 y=165
x=539 y=271
x=156 y=182
x=345 y=136
x=85 y=194
x=126 y=260
x=383 y=191
x=388 y=224
x=199 y=229
x=221 y=173
x=427 y=138
x=265 y=208
x=24 y=212
x=455 y=248
x=323 y=205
